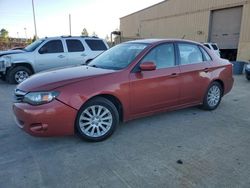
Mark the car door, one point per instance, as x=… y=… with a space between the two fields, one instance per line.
x=76 y=52
x=50 y=55
x=153 y=90
x=194 y=72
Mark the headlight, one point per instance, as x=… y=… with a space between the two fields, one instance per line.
x=38 y=98
x=248 y=66
x=7 y=61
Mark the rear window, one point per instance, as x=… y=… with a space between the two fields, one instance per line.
x=214 y=46
x=206 y=56
x=207 y=46
x=74 y=45
x=96 y=45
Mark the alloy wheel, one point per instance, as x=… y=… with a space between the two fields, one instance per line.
x=95 y=121
x=20 y=76
x=213 y=96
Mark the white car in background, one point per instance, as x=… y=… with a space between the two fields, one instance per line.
x=49 y=53
x=213 y=47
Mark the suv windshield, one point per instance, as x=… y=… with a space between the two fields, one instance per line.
x=118 y=57
x=34 y=45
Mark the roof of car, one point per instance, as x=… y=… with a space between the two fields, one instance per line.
x=153 y=41
x=72 y=37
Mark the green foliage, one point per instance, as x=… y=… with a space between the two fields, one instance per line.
x=4 y=33
x=34 y=38
x=84 y=32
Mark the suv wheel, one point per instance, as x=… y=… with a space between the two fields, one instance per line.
x=97 y=119
x=18 y=74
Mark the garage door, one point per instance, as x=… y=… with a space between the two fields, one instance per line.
x=225 y=27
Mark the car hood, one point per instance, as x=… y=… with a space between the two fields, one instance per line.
x=10 y=52
x=50 y=80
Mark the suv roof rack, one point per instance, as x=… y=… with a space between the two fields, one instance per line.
x=65 y=36
x=83 y=36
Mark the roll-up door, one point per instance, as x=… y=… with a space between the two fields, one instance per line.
x=225 y=27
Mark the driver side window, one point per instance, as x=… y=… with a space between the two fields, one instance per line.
x=163 y=56
x=53 y=46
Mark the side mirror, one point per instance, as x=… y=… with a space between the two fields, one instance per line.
x=43 y=50
x=147 y=66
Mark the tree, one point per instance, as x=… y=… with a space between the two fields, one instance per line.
x=85 y=32
x=4 y=33
x=34 y=38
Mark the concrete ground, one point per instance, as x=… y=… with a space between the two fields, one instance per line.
x=212 y=150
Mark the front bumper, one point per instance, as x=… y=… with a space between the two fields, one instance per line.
x=52 y=119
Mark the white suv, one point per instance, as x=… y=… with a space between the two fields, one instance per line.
x=49 y=53
x=213 y=47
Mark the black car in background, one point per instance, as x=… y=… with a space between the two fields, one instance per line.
x=248 y=71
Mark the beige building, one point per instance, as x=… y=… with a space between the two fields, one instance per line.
x=225 y=22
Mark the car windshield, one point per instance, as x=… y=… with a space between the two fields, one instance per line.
x=118 y=57
x=34 y=45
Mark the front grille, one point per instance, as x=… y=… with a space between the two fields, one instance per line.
x=19 y=95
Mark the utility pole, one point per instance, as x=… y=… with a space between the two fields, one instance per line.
x=69 y=24
x=34 y=17
x=25 y=30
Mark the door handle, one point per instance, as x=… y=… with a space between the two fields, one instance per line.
x=61 y=56
x=206 y=70
x=174 y=75
x=83 y=55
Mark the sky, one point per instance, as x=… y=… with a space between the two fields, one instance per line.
x=52 y=16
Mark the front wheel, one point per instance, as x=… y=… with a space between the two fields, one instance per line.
x=213 y=96
x=97 y=119
x=18 y=74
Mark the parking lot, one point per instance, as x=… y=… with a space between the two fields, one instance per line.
x=185 y=148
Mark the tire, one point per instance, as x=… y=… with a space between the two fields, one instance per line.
x=97 y=120
x=248 y=77
x=3 y=77
x=213 y=96
x=18 y=74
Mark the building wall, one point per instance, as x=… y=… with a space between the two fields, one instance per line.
x=189 y=19
x=244 y=45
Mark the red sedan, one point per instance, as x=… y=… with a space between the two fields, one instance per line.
x=131 y=80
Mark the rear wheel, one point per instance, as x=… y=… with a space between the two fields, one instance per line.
x=213 y=96
x=97 y=119
x=18 y=74
x=248 y=77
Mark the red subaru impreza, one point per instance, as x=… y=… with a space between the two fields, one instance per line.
x=131 y=80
